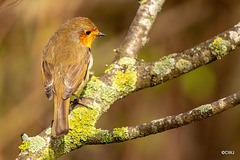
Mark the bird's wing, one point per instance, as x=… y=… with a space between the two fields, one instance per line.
x=75 y=75
x=47 y=75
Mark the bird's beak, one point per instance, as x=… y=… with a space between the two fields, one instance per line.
x=100 y=34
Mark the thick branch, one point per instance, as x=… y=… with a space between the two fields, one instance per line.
x=128 y=75
x=167 y=123
x=176 y=64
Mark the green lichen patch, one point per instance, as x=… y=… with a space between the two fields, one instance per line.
x=48 y=154
x=184 y=65
x=163 y=67
x=204 y=109
x=125 y=82
x=33 y=144
x=168 y=56
x=108 y=96
x=109 y=68
x=142 y=1
x=127 y=61
x=57 y=143
x=97 y=90
x=48 y=131
x=36 y=143
x=83 y=116
x=121 y=134
x=219 y=47
x=92 y=87
x=25 y=142
x=82 y=126
x=105 y=136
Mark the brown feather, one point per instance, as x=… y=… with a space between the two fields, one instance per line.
x=61 y=111
x=47 y=70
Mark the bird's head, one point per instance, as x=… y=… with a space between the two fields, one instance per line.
x=83 y=30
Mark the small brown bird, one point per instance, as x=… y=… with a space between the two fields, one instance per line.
x=65 y=65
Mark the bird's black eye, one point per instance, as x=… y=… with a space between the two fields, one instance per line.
x=88 y=32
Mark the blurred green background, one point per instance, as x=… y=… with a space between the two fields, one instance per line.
x=26 y=27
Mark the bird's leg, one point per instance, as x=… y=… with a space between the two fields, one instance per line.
x=78 y=100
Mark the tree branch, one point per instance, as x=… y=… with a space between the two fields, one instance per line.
x=138 y=31
x=138 y=74
x=167 y=123
x=176 y=64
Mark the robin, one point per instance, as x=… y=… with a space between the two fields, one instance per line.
x=65 y=65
